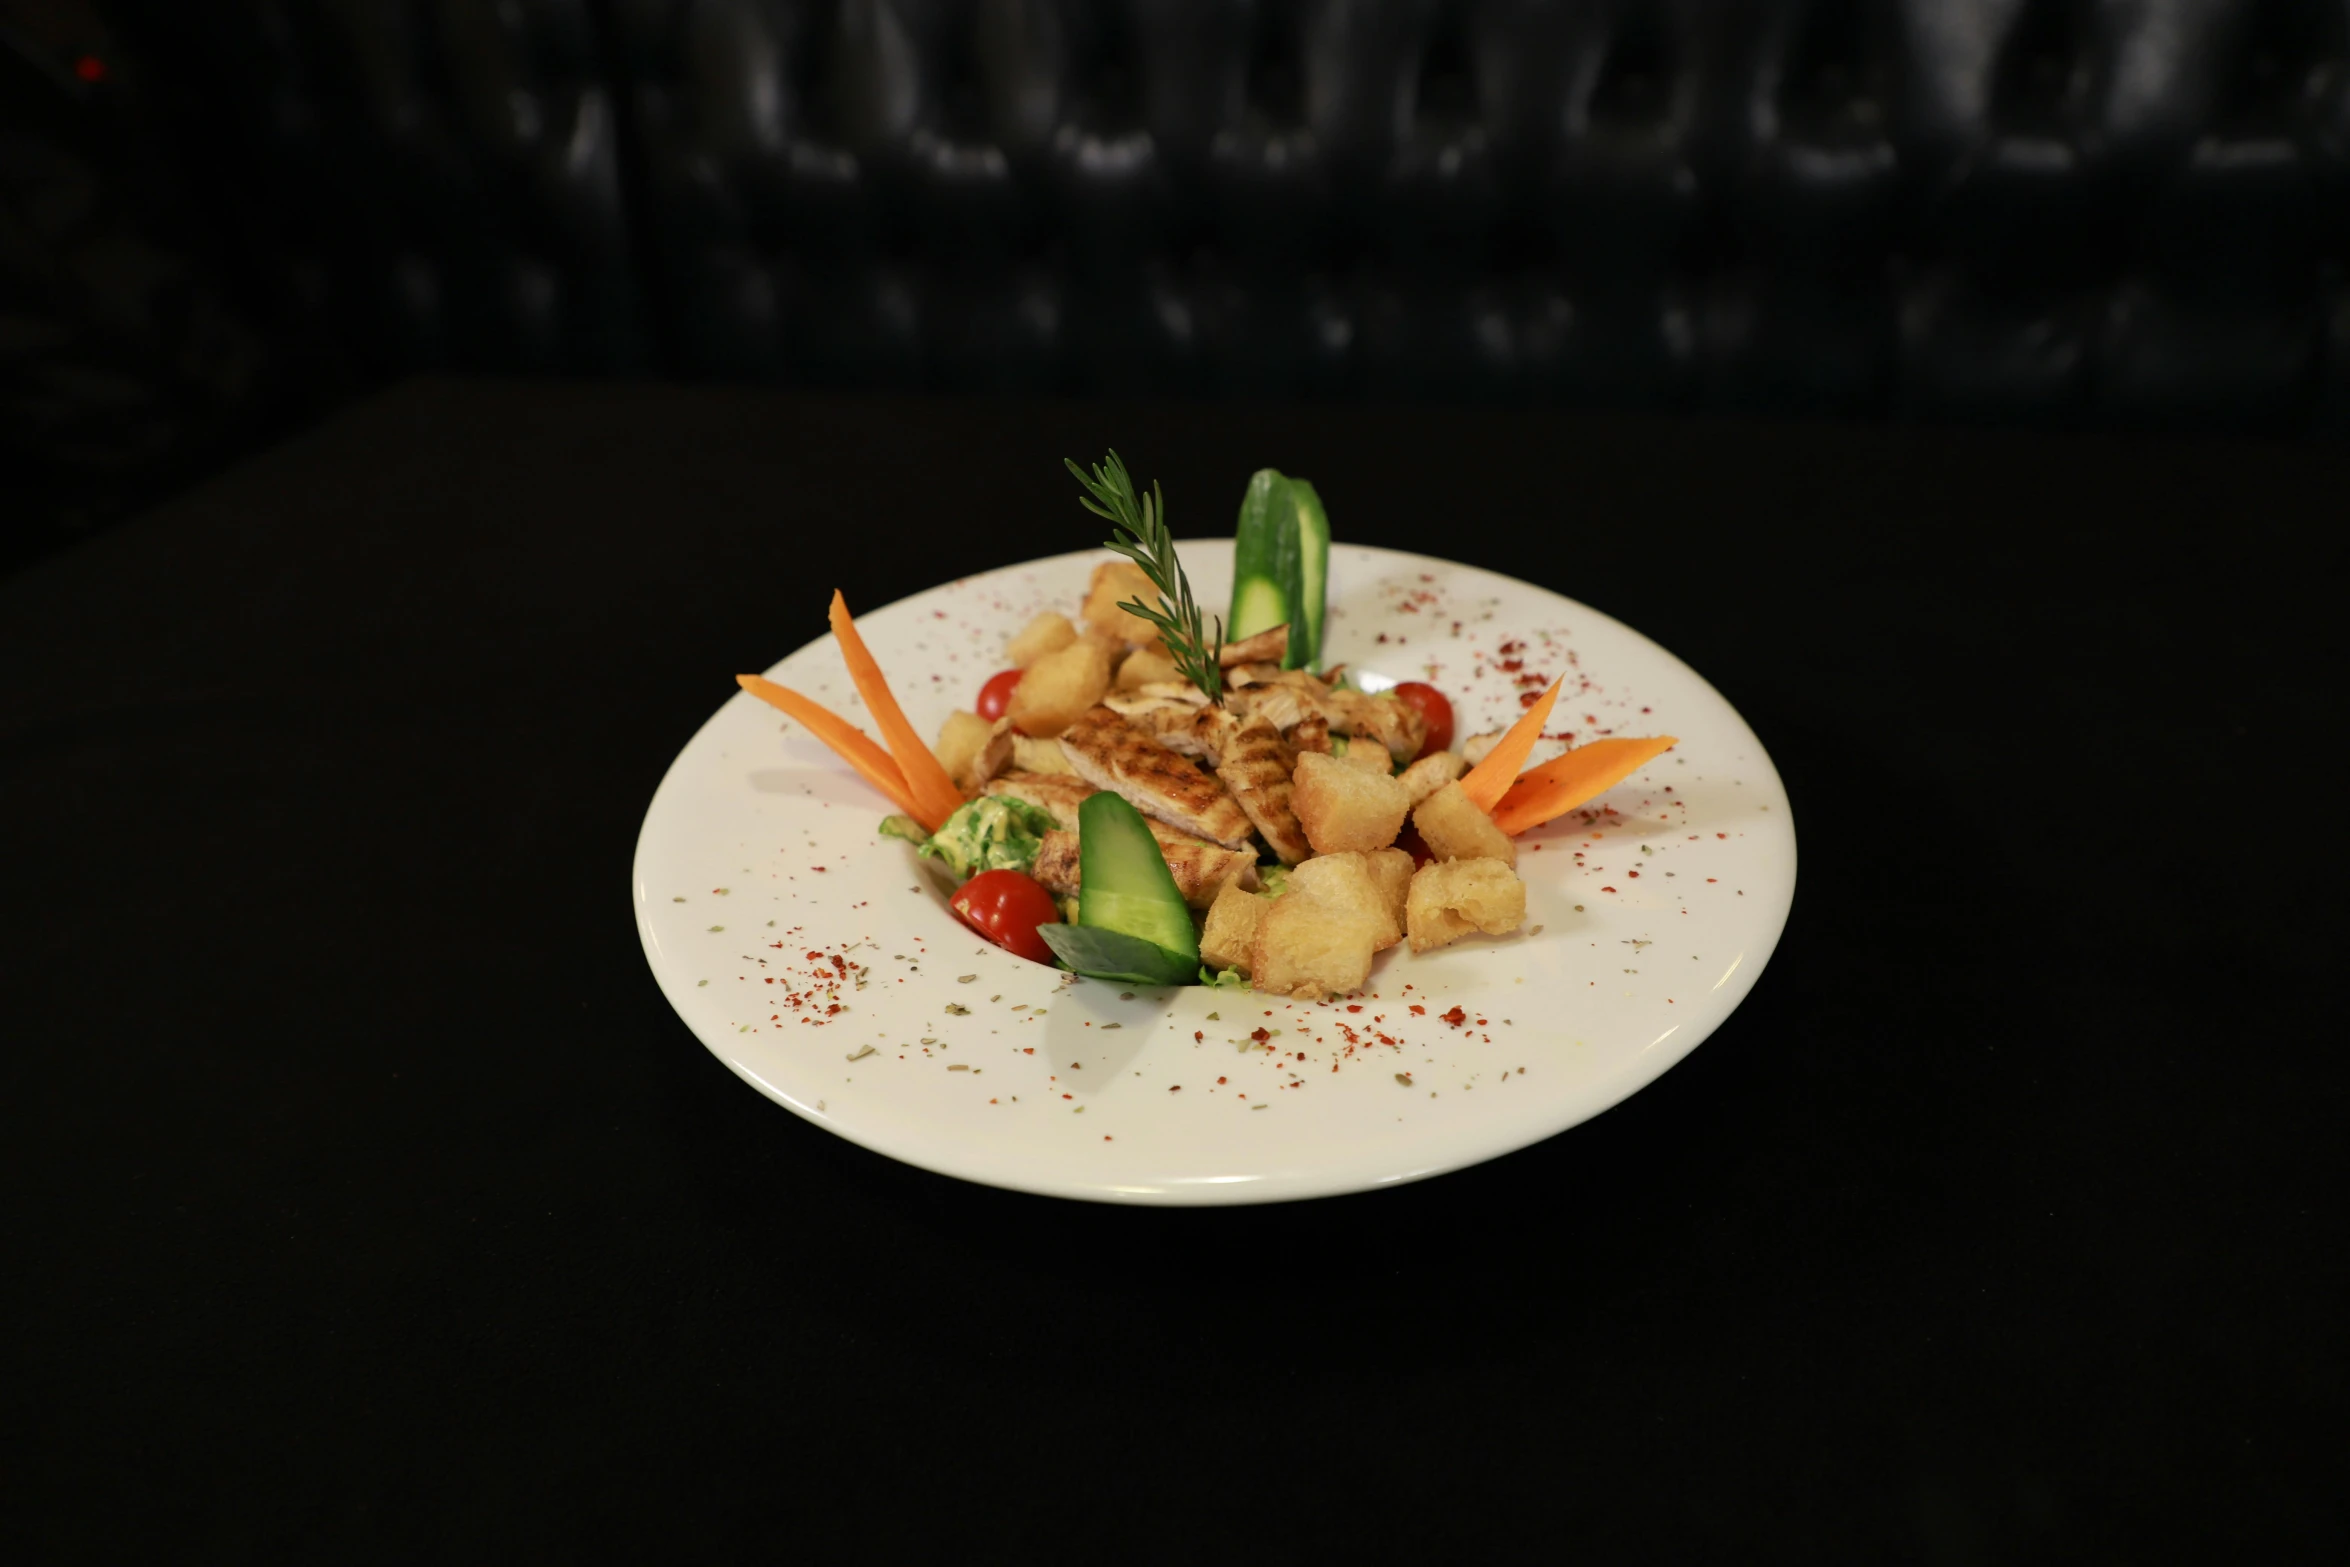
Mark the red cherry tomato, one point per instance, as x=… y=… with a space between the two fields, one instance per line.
x=996 y=696
x=1006 y=907
x=1430 y=704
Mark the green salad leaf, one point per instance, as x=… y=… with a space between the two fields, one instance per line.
x=991 y=833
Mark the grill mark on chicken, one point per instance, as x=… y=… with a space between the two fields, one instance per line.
x=1059 y=793
x=1199 y=867
x=1256 y=765
x=1159 y=782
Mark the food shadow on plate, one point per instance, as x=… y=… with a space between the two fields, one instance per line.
x=1096 y=1028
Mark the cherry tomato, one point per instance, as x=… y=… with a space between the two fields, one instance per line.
x=996 y=695
x=1006 y=907
x=1430 y=704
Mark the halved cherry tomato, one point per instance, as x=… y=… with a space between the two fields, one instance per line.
x=1430 y=704
x=1006 y=907
x=996 y=696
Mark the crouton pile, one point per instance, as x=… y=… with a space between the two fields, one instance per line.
x=1294 y=768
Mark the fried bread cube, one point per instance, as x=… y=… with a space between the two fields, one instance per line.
x=1456 y=827
x=1345 y=885
x=1047 y=633
x=1308 y=948
x=1392 y=870
x=1147 y=666
x=1431 y=773
x=1058 y=687
x=1231 y=930
x=1346 y=808
x=1450 y=898
x=1115 y=582
x=960 y=740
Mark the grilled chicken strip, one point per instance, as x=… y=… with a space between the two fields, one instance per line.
x=1107 y=751
x=1172 y=724
x=1255 y=765
x=1059 y=793
x=1199 y=867
x=1399 y=728
x=1266 y=647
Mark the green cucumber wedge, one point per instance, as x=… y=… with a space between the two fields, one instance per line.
x=1260 y=593
x=1281 y=564
x=1127 y=886
x=1308 y=559
x=1110 y=954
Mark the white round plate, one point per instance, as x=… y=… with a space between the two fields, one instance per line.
x=821 y=962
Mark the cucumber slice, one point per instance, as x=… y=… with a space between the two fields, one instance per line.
x=1127 y=887
x=1112 y=954
x=1260 y=596
x=1309 y=561
x=1281 y=564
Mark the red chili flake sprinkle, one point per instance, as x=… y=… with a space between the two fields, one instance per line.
x=1220 y=1079
x=1607 y=889
x=1529 y=698
x=1197 y=1035
x=1068 y=1096
x=1635 y=875
x=840 y=965
x=830 y=1010
x=818 y=868
x=1456 y=1017
x=1418 y=1010
x=1028 y=1050
x=1354 y=1009
x=1174 y=1088
x=1713 y=878
x=1105 y=1135
x=1721 y=835
x=1260 y=1036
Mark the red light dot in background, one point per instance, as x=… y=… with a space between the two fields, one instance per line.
x=90 y=68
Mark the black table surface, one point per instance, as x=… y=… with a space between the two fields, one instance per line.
x=367 y=1200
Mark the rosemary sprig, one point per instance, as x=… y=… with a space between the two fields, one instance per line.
x=1142 y=537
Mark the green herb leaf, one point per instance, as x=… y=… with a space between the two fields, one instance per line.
x=1140 y=529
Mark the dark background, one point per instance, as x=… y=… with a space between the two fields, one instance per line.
x=218 y=221
x=415 y=412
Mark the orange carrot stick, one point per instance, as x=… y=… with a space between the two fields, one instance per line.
x=926 y=781
x=1490 y=779
x=1580 y=776
x=854 y=746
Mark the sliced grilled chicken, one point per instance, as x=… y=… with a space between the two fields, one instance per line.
x=1059 y=793
x=1128 y=704
x=1199 y=868
x=1399 y=728
x=1172 y=724
x=1277 y=705
x=1171 y=691
x=1255 y=765
x=1266 y=647
x=1160 y=782
x=1310 y=734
